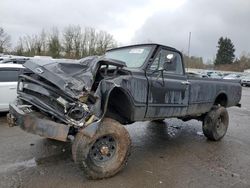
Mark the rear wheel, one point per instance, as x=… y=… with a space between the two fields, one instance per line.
x=106 y=153
x=215 y=123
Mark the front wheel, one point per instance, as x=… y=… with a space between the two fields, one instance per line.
x=215 y=123
x=106 y=153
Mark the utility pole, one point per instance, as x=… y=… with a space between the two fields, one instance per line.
x=189 y=42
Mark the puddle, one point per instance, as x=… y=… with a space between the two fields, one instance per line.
x=13 y=166
x=200 y=133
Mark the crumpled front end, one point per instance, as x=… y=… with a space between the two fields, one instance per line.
x=49 y=99
x=55 y=98
x=36 y=123
x=46 y=111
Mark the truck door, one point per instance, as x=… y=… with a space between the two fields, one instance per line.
x=168 y=85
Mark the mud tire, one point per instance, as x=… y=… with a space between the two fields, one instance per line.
x=82 y=145
x=215 y=123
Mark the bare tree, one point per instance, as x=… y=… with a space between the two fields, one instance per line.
x=84 y=43
x=104 y=42
x=43 y=39
x=4 y=40
x=96 y=42
x=92 y=41
x=77 y=37
x=74 y=43
x=68 y=36
x=30 y=44
x=20 y=48
x=54 y=43
x=38 y=45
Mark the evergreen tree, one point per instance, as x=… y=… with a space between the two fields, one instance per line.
x=225 y=53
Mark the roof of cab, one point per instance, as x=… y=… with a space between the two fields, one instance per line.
x=144 y=44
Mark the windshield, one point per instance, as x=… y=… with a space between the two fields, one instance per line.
x=246 y=77
x=132 y=56
x=231 y=76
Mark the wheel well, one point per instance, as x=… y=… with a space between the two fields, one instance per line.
x=120 y=106
x=221 y=99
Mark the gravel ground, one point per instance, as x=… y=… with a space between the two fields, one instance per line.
x=169 y=154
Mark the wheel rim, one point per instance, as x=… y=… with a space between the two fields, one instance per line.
x=103 y=149
x=220 y=126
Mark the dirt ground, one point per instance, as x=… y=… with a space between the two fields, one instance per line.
x=169 y=154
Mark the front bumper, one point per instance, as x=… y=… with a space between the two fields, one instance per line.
x=245 y=83
x=37 y=123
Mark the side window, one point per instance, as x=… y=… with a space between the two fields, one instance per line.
x=9 y=62
x=21 y=62
x=9 y=75
x=172 y=61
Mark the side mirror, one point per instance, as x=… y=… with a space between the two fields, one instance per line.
x=168 y=62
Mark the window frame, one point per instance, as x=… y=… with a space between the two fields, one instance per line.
x=165 y=72
x=18 y=70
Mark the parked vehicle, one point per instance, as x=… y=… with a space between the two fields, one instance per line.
x=19 y=60
x=2 y=58
x=196 y=75
x=8 y=84
x=245 y=81
x=91 y=100
x=214 y=75
x=232 y=77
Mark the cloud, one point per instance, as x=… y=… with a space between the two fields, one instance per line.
x=120 y=18
x=207 y=20
x=164 y=21
x=29 y=16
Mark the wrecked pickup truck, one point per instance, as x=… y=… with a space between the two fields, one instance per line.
x=88 y=101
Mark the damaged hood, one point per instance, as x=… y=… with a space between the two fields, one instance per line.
x=71 y=76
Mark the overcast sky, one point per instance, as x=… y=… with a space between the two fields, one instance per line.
x=163 y=21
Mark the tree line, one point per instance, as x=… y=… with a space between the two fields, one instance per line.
x=72 y=42
x=225 y=58
x=76 y=42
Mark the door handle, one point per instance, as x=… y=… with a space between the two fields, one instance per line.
x=12 y=88
x=185 y=83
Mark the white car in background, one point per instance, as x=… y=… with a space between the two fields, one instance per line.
x=232 y=77
x=245 y=81
x=8 y=84
x=20 y=60
x=215 y=75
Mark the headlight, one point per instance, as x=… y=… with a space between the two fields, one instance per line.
x=20 y=86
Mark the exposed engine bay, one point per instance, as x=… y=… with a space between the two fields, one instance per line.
x=67 y=92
